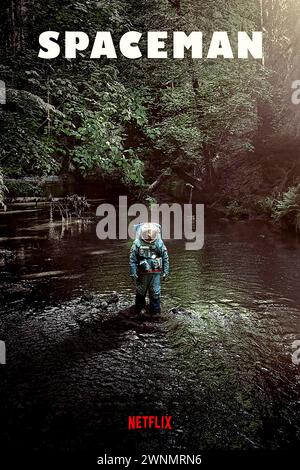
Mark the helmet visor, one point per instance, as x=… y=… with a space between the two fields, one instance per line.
x=149 y=233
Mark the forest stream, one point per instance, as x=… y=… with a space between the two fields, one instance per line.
x=79 y=361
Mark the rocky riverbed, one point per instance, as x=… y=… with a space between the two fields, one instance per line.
x=76 y=370
x=79 y=369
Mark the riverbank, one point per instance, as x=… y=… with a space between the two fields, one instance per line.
x=242 y=189
x=248 y=188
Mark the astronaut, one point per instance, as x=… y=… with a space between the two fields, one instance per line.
x=149 y=262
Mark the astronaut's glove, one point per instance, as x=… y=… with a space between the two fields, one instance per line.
x=164 y=277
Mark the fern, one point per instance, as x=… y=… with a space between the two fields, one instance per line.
x=287 y=209
x=3 y=188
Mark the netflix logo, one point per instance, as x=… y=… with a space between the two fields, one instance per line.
x=150 y=422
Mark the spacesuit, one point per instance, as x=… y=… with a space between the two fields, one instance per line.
x=149 y=262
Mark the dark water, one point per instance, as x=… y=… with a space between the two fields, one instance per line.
x=224 y=372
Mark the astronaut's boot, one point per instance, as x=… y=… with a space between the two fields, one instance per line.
x=140 y=302
x=154 y=306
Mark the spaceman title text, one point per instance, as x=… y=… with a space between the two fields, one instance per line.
x=152 y=45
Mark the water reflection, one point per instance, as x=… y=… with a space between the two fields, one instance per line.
x=234 y=351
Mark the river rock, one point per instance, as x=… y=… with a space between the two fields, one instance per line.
x=7 y=254
x=103 y=305
x=180 y=311
x=113 y=298
x=87 y=297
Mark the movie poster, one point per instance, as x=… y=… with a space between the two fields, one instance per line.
x=149 y=233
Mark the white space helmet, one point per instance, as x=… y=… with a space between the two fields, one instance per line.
x=149 y=232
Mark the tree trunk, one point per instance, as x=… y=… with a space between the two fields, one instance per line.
x=190 y=179
x=157 y=183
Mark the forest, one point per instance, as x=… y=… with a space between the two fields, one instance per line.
x=225 y=132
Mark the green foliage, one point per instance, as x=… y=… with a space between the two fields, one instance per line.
x=68 y=115
x=265 y=206
x=287 y=208
x=131 y=120
x=23 y=189
x=202 y=110
x=236 y=209
x=284 y=210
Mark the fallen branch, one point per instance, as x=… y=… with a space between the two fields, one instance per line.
x=158 y=182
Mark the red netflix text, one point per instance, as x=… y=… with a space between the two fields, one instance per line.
x=150 y=422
